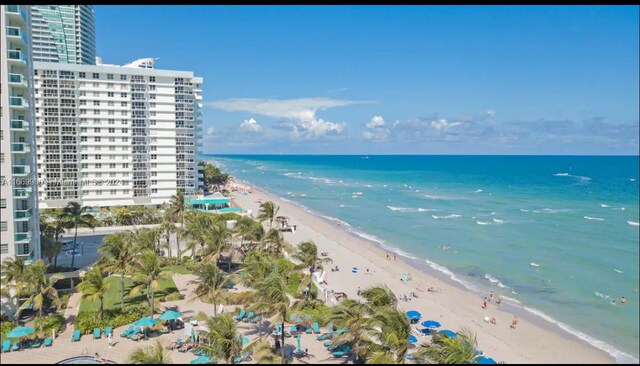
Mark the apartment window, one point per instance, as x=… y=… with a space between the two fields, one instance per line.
x=125 y=165
x=112 y=166
x=112 y=148
x=83 y=129
x=152 y=122
x=1 y=157
x=154 y=165
x=154 y=182
x=152 y=87
x=152 y=79
x=96 y=111
x=82 y=75
x=96 y=85
x=3 y=226
x=98 y=175
x=125 y=139
x=123 y=77
x=125 y=130
x=83 y=138
x=152 y=114
x=112 y=130
x=4 y=248
x=152 y=105
x=152 y=96
x=96 y=75
x=85 y=166
x=123 y=95
x=112 y=121
x=123 y=113
x=125 y=191
x=84 y=156
x=98 y=165
x=98 y=157
x=97 y=139
x=110 y=94
x=123 y=104
x=96 y=102
x=113 y=192
x=96 y=129
x=154 y=174
x=112 y=139
x=83 y=94
x=98 y=148
x=109 y=76
x=98 y=193
x=3 y=203
x=154 y=148
x=110 y=113
x=154 y=190
x=112 y=175
x=111 y=104
x=83 y=102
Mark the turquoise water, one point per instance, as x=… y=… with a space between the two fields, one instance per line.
x=557 y=235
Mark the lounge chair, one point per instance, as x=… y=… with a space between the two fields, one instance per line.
x=249 y=316
x=245 y=357
x=165 y=330
x=6 y=345
x=47 y=342
x=256 y=319
x=126 y=332
x=324 y=336
x=107 y=331
x=16 y=346
x=76 y=335
x=240 y=316
x=331 y=326
x=309 y=330
x=185 y=347
x=346 y=350
x=36 y=343
x=133 y=333
x=199 y=352
x=294 y=329
x=97 y=333
x=316 y=327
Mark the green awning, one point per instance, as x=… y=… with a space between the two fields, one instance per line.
x=209 y=201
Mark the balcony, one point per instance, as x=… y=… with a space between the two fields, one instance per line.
x=17 y=80
x=15 y=12
x=21 y=170
x=22 y=215
x=20 y=147
x=18 y=102
x=17 y=56
x=21 y=193
x=16 y=34
x=19 y=125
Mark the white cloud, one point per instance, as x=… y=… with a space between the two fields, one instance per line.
x=376 y=129
x=250 y=125
x=302 y=110
x=443 y=125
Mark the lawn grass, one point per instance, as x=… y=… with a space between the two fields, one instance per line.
x=177 y=269
x=112 y=298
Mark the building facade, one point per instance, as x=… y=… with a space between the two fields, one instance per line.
x=19 y=225
x=112 y=135
x=64 y=33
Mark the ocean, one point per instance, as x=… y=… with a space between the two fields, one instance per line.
x=556 y=235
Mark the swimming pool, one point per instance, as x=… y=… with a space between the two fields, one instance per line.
x=82 y=360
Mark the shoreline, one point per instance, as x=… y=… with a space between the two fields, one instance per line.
x=498 y=341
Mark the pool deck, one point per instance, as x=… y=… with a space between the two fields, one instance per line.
x=64 y=348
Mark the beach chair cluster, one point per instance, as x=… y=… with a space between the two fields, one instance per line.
x=133 y=333
x=29 y=344
x=247 y=318
x=338 y=350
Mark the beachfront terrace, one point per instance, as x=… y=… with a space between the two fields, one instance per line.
x=215 y=203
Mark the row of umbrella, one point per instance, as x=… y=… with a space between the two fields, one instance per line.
x=415 y=316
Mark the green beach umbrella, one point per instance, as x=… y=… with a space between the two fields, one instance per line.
x=18 y=332
x=145 y=322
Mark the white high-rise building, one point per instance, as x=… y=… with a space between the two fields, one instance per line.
x=112 y=135
x=19 y=225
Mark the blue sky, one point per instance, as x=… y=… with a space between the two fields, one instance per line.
x=397 y=79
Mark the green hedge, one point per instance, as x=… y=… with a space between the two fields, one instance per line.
x=6 y=327
x=87 y=321
x=51 y=322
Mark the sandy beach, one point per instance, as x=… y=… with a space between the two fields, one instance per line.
x=454 y=307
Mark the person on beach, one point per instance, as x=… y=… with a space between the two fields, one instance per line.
x=499 y=301
x=493 y=321
x=358 y=290
x=484 y=303
x=394 y=256
x=490 y=296
x=514 y=322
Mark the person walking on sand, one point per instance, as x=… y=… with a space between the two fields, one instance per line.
x=514 y=322
x=499 y=301
x=484 y=303
x=490 y=296
x=394 y=256
x=358 y=291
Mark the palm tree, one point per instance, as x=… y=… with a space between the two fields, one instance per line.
x=176 y=212
x=307 y=254
x=380 y=296
x=263 y=353
x=50 y=249
x=146 y=238
x=77 y=215
x=248 y=229
x=268 y=211
x=354 y=316
x=445 y=350
x=223 y=338
x=197 y=226
x=217 y=241
x=118 y=256
x=54 y=229
x=391 y=328
x=273 y=300
x=148 y=273
x=274 y=238
x=167 y=228
x=13 y=275
x=150 y=355
x=94 y=287
x=210 y=284
x=40 y=287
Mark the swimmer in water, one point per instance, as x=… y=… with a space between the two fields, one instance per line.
x=623 y=300
x=613 y=302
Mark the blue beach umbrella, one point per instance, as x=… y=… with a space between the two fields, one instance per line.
x=170 y=315
x=430 y=324
x=145 y=322
x=18 y=332
x=202 y=359
x=485 y=361
x=412 y=339
x=448 y=333
x=413 y=315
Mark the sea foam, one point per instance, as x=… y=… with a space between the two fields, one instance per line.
x=593 y=218
x=451 y=216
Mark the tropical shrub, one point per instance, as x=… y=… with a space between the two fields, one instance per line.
x=6 y=327
x=173 y=297
x=87 y=321
x=51 y=322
